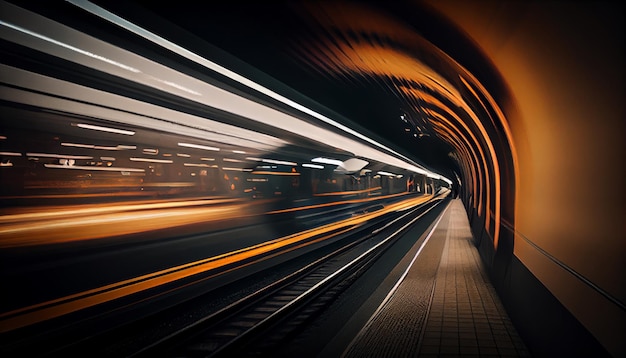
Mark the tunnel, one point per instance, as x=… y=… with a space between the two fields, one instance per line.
x=515 y=108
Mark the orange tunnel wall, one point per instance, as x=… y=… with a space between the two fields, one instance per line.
x=563 y=64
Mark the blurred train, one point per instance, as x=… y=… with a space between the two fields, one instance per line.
x=86 y=118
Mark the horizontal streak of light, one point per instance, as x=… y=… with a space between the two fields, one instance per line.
x=184 y=155
x=177 y=86
x=60 y=156
x=70 y=47
x=65 y=305
x=150 y=160
x=349 y=192
x=198 y=146
x=78 y=145
x=116 y=208
x=200 y=165
x=334 y=203
x=261 y=172
x=105 y=129
x=100 y=147
x=327 y=161
x=388 y=174
x=87 y=167
x=11 y=154
x=108 y=158
x=314 y=166
x=236 y=169
x=281 y=162
x=179 y=184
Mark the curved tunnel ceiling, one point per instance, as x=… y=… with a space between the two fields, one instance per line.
x=398 y=72
x=362 y=60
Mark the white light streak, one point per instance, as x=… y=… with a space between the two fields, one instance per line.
x=61 y=156
x=236 y=169
x=199 y=165
x=281 y=162
x=177 y=86
x=70 y=47
x=105 y=129
x=86 y=167
x=314 y=166
x=198 y=146
x=150 y=160
x=327 y=161
x=77 y=145
x=11 y=154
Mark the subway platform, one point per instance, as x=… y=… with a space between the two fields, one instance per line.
x=452 y=312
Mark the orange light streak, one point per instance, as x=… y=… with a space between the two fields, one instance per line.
x=54 y=308
x=350 y=192
x=353 y=201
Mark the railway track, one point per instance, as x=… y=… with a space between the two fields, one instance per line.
x=269 y=317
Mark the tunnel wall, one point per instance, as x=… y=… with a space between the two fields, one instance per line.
x=564 y=65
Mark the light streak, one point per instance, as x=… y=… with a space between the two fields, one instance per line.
x=198 y=146
x=281 y=162
x=260 y=172
x=327 y=161
x=150 y=160
x=88 y=167
x=57 y=307
x=70 y=47
x=60 y=156
x=199 y=165
x=105 y=129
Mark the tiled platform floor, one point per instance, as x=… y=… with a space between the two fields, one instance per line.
x=464 y=316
